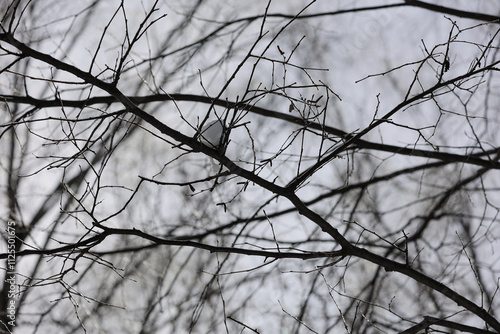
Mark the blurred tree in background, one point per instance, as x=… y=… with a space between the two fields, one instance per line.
x=351 y=184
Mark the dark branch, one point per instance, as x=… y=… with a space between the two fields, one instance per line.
x=453 y=11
